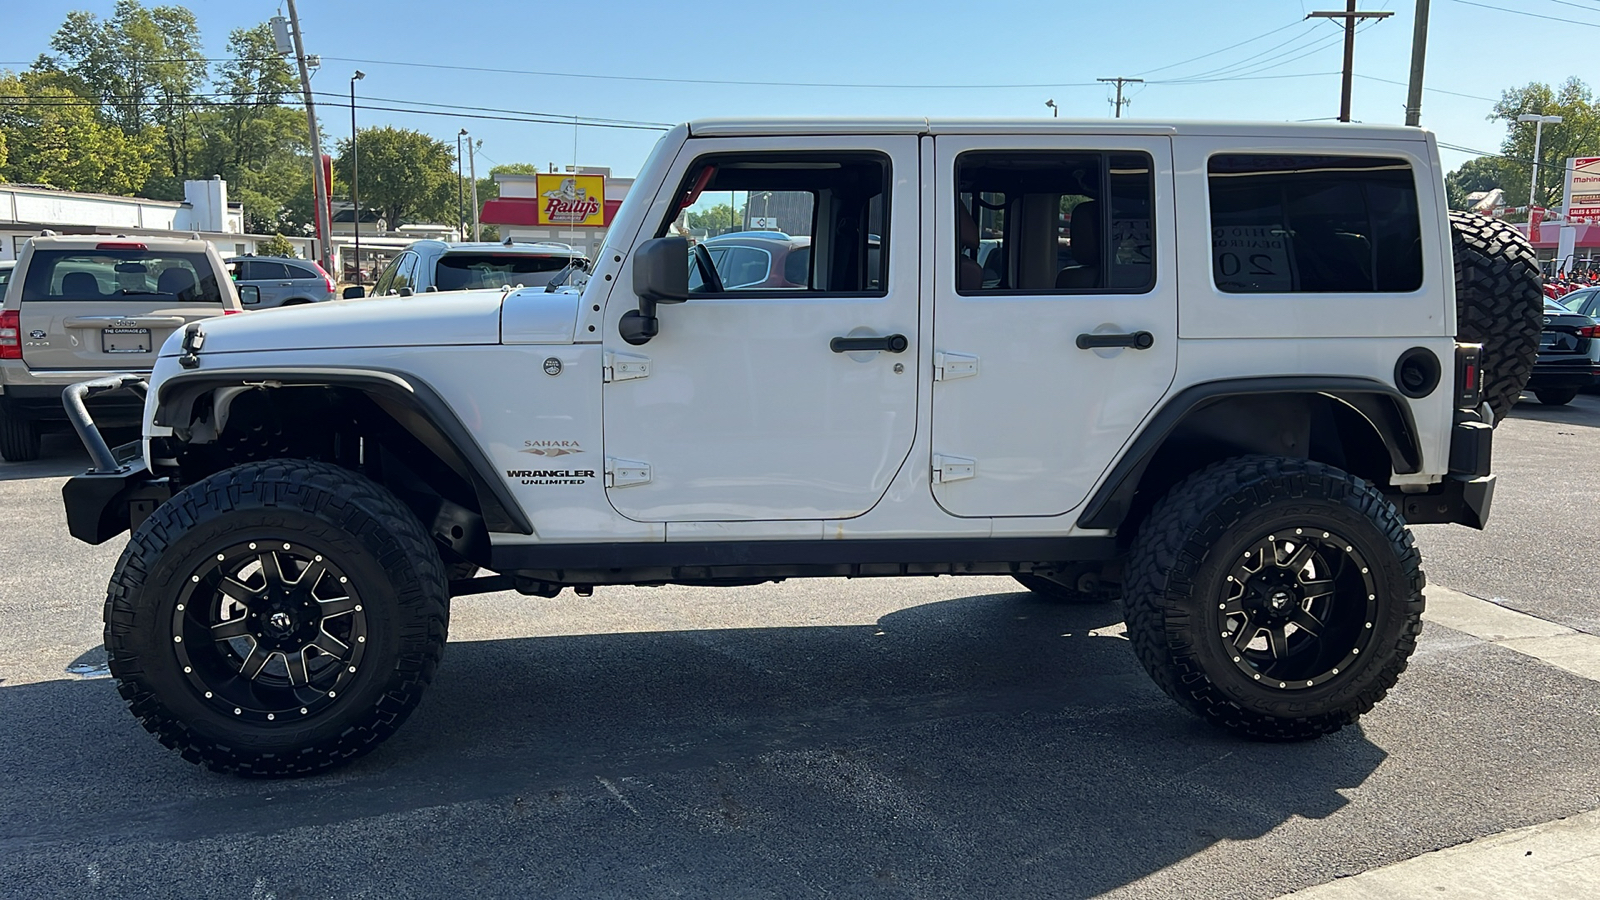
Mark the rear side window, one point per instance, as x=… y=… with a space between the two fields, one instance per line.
x=142 y=275
x=1314 y=224
x=469 y=271
x=301 y=272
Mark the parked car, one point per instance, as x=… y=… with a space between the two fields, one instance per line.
x=84 y=306
x=1585 y=301
x=760 y=260
x=1569 y=355
x=443 y=266
x=283 y=281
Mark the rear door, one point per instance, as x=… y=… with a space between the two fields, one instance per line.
x=111 y=306
x=1055 y=311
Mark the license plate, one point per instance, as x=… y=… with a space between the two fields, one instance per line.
x=125 y=340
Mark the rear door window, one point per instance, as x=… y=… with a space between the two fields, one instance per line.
x=120 y=274
x=300 y=271
x=470 y=271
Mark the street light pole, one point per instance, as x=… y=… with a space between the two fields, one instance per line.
x=355 y=172
x=1538 y=133
x=461 y=200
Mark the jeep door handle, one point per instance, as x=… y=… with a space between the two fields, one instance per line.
x=1138 y=340
x=894 y=343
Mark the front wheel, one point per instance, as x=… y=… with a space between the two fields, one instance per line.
x=1277 y=598
x=277 y=618
x=1556 y=396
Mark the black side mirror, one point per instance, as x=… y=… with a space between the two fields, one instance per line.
x=249 y=294
x=406 y=292
x=354 y=292
x=659 y=276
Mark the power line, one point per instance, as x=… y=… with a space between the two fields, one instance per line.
x=521 y=112
x=1262 y=55
x=1519 y=12
x=1223 y=50
x=1431 y=89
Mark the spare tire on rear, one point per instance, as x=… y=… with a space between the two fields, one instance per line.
x=1499 y=303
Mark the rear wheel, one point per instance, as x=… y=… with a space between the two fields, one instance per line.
x=19 y=438
x=1277 y=598
x=1556 y=396
x=278 y=618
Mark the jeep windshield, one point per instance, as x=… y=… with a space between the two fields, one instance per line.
x=470 y=271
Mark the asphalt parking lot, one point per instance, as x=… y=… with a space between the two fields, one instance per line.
x=910 y=738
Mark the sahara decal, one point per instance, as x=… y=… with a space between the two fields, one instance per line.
x=550 y=448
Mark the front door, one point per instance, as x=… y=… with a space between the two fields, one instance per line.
x=1055 y=325
x=757 y=401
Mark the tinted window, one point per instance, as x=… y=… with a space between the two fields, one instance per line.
x=1049 y=222
x=469 y=271
x=1314 y=224
x=824 y=215
x=120 y=275
x=5 y=278
x=301 y=272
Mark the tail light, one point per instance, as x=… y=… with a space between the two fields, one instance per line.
x=1469 y=376
x=230 y=312
x=1589 y=331
x=120 y=245
x=10 y=334
x=328 y=279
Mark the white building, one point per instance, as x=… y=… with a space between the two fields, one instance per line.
x=517 y=211
x=26 y=210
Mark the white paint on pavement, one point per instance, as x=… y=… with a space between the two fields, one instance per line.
x=1553 y=861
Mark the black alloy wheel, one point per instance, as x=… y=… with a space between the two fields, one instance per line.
x=269 y=629
x=1278 y=598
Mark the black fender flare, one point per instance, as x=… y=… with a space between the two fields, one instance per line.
x=1381 y=404
x=433 y=421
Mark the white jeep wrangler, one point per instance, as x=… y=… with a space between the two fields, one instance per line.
x=1212 y=369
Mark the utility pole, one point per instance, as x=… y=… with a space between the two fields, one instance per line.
x=1351 y=19
x=1119 y=82
x=355 y=172
x=472 y=162
x=318 y=186
x=1419 y=49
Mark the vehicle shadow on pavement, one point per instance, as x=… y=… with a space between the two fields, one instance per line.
x=1585 y=410
x=59 y=455
x=983 y=746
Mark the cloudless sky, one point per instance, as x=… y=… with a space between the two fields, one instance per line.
x=1014 y=55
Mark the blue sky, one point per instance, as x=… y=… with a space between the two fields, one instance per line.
x=1021 y=53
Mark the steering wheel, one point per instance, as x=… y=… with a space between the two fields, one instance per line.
x=708 y=269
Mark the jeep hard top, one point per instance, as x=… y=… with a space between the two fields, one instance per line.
x=1213 y=370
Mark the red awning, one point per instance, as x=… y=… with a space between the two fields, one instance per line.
x=525 y=211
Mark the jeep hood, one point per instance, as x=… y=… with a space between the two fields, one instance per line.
x=421 y=320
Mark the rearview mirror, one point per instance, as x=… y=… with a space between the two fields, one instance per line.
x=354 y=292
x=659 y=276
x=249 y=294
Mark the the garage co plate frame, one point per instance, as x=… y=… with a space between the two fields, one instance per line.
x=125 y=340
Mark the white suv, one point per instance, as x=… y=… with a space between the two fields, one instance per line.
x=1214 y=369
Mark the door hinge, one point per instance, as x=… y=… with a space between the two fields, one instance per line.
x=952 y=468
x=624 y=367
x=949 y=366
x=625 y=472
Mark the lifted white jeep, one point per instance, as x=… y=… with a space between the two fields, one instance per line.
x=1212 y=369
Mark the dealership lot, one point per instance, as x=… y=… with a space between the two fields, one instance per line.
x=938 y=737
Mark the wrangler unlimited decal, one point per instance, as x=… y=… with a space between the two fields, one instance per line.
x=551 y=476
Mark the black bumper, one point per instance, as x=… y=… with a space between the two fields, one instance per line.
x=1465 y=495
x=1579 y=373
x=102 y=506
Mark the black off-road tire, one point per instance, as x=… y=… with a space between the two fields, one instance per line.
x=1499 y=303
x=19 y=438
x=1056 y=592
x=1556 y=396
x=1180 y=575
x=378 y=547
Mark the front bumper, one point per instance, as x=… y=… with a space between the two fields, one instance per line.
x=119 y=491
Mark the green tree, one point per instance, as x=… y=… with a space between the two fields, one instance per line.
x=1578 y=134
x=717 y=219
x=1481 y=174
x=489 y=189
x=405 y=175
x=54 y=136
x=145 y=67
x=277 y=246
